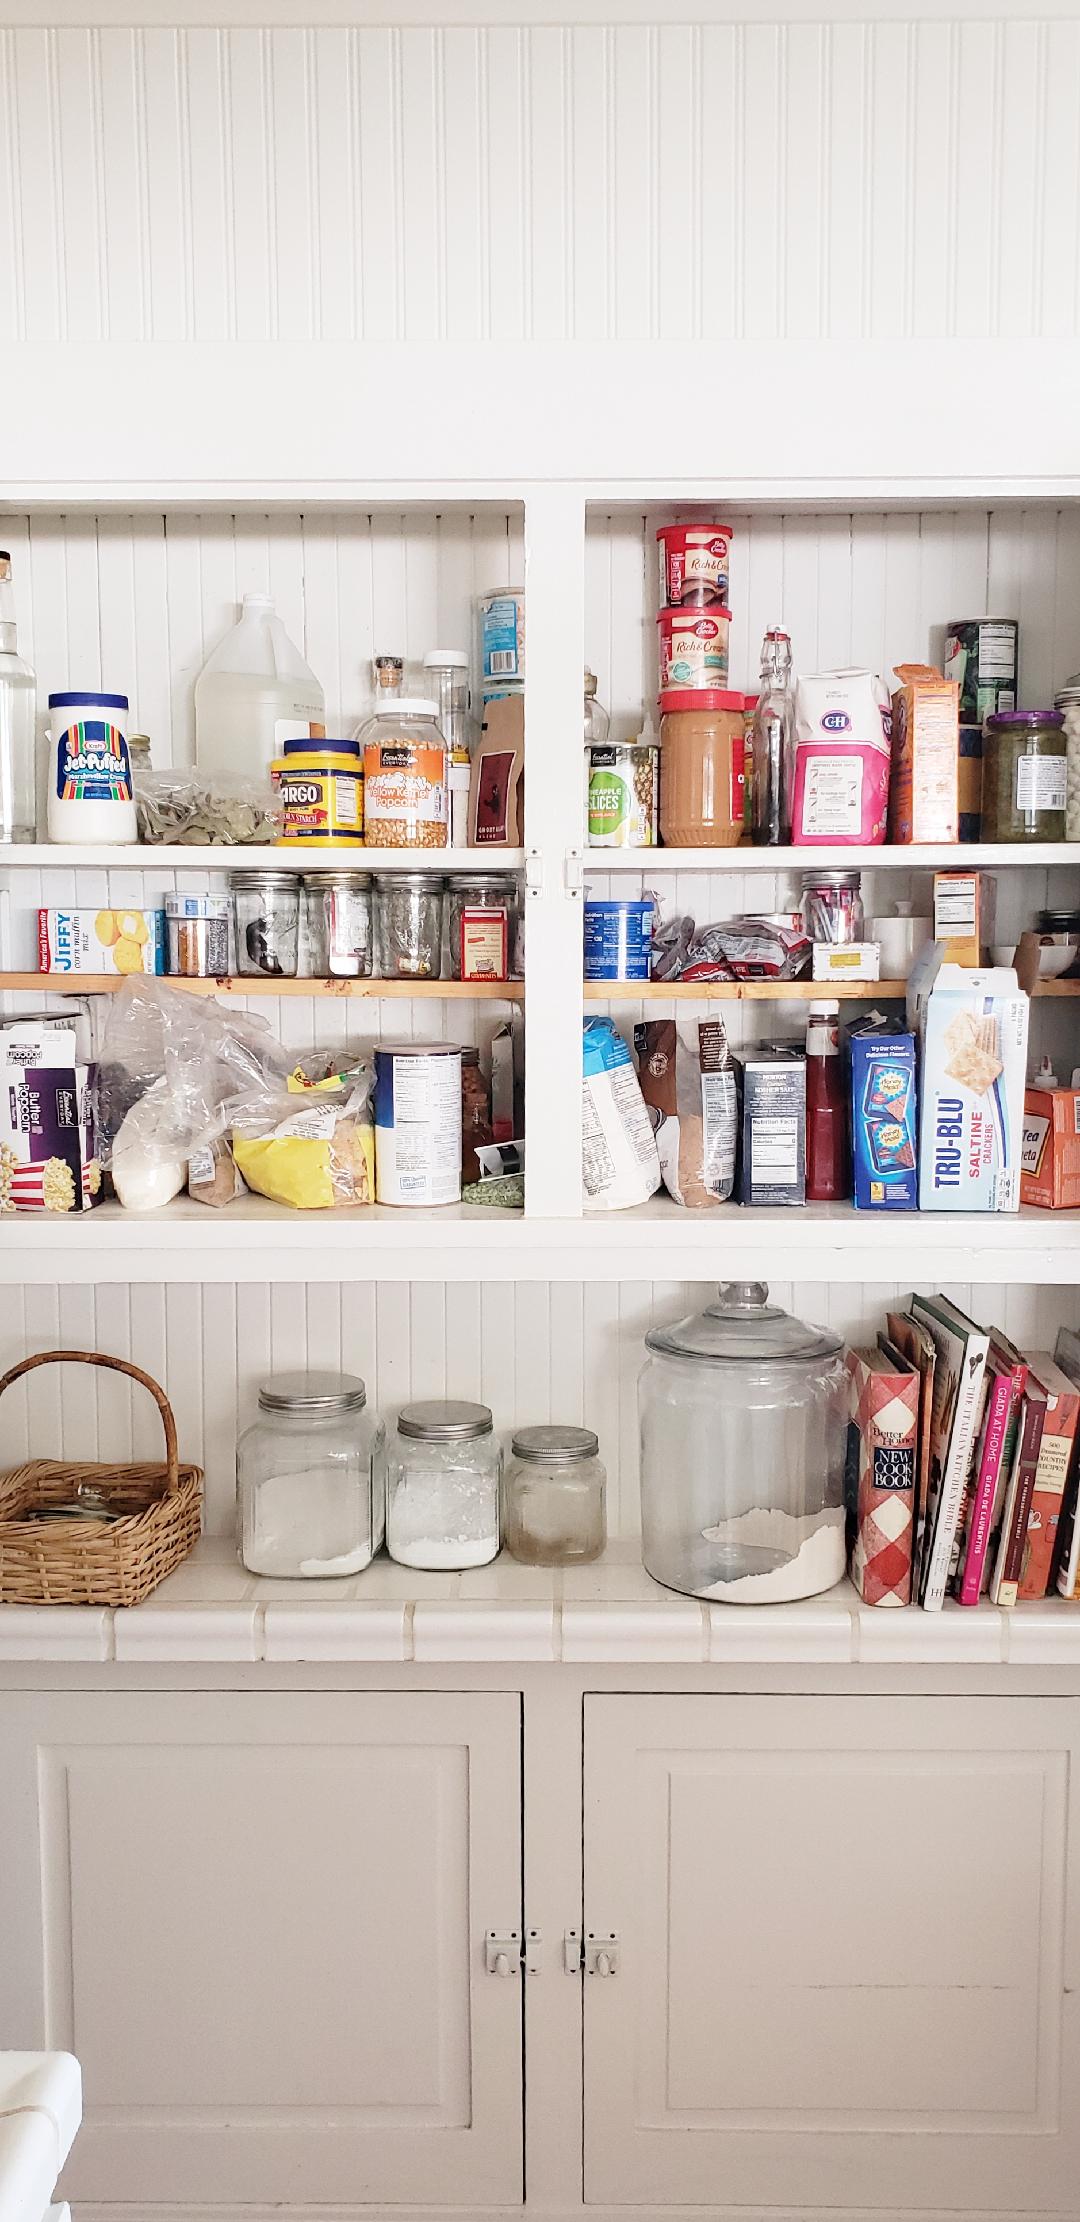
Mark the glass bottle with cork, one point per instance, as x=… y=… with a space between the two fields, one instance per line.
x=773 y=745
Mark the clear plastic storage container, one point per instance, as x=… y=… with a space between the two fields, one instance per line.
x=443 y=1469
x=309 y=1478
x=743 y=1430
x=553 y=1497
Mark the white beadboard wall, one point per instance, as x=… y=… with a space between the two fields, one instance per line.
x=589 y=180
x=134 y=604
x=533 y=1352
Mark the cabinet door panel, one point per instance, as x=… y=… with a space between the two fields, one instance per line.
x=261 y=1932
x=844 y=1952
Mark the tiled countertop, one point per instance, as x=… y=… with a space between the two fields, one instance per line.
x=611 y=1613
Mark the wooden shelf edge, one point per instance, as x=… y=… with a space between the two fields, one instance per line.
x=106 y=983
x=771 y=991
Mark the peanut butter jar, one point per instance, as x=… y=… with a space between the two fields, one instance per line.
x=701 y=768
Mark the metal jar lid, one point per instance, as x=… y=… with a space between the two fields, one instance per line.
x=317 y=1394
x=1065 y=920
x=267 y=881
x=499 y=880
x=831 y=879
x=357 y=883
x=554 y=1446
x=432 y=883
x=444 y=1420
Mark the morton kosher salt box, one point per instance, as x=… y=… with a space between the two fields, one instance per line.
x=973 y=1030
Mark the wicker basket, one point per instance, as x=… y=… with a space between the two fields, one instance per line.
x=96 y=1562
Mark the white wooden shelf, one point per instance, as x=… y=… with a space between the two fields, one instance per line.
x=256 y=1241
x=52 y=856
x=884 y=858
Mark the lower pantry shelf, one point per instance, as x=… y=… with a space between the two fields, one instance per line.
x=106 y=983
x=253 y=1241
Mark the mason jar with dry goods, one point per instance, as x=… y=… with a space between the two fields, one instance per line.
x=339 y=924
x=479 y=918
x=553 y=1496
x=309 y=1478
x=267 y=911
x=409 y=925
x=443 y=1471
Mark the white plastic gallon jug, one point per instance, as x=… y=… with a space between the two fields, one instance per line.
x=254 y=693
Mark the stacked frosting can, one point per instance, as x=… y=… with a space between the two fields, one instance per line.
x=701 y=720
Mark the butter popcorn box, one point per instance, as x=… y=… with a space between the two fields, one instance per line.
x=973 y=1029
x=123 y=941
x=46 y=1145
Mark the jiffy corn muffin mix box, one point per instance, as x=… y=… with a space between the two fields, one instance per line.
x=973 y=1028
x=121 y=941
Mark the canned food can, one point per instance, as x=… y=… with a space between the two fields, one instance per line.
x=693 y=648
x=981 y=655
x=418 y=1123
x=694 y=565
x=502 y=633
x=623 y=794
x=618 y=937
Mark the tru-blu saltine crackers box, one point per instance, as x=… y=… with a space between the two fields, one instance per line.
x=973 y=1030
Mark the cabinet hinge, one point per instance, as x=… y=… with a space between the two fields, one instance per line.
x=597 y=1953
x=507 y=1952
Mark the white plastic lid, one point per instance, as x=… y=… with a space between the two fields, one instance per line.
x=408 y=706
x=259 y=602
x=437 y=658
x=823 y=1010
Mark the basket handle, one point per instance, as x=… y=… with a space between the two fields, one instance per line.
x=115 y=1365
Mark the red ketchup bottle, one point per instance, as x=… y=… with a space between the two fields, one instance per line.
x=826 y=1107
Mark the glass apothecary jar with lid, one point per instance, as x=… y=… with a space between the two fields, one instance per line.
x=408 y=926
x=553 y=1497
x=309 y=1478
x=743 y=1415
x=443 y=1474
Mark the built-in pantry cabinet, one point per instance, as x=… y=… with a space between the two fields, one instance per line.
x=792 y=1945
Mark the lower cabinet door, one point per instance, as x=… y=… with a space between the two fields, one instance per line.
x=258 y=1921
x=848 y=1954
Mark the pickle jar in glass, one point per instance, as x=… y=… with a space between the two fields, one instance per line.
x=339 y=924
x=408 y=925
x=443 y=1475
x=553 y=1497
x=1024 y=780
x=479 y=915
x=309 y=1479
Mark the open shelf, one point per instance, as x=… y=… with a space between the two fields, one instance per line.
x=766 y=991
x=977 y=855
x=256 y=1241
x=106 y=983
x=48 y=856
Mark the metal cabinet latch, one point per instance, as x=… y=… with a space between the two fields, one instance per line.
x=534 y=872
x=574 y=873
x=506 y=1952
x=596 y=1954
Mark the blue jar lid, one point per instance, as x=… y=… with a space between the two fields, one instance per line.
x=315 y=747
x=92 y=701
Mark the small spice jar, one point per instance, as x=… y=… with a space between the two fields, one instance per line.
x=309 y=1478
x=832 y=906
x=197 y=936
x=339 y=924
x=1024 y=776
x=443 y=1469
x=553 y=1498
x=409 y=925
x=479 y=908
x=267 y=910
x=405 y=776
x=702 y=768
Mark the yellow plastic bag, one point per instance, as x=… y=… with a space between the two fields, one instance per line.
x=311 y=1157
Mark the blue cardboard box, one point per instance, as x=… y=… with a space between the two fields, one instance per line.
x=884 y=1116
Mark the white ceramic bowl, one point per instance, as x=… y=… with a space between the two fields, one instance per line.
x=1055 y=957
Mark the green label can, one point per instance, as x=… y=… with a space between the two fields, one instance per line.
x=623 y=795
x=981 y=655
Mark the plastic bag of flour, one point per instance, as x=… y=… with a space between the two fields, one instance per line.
x=843 y=740
x=619 y=1163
